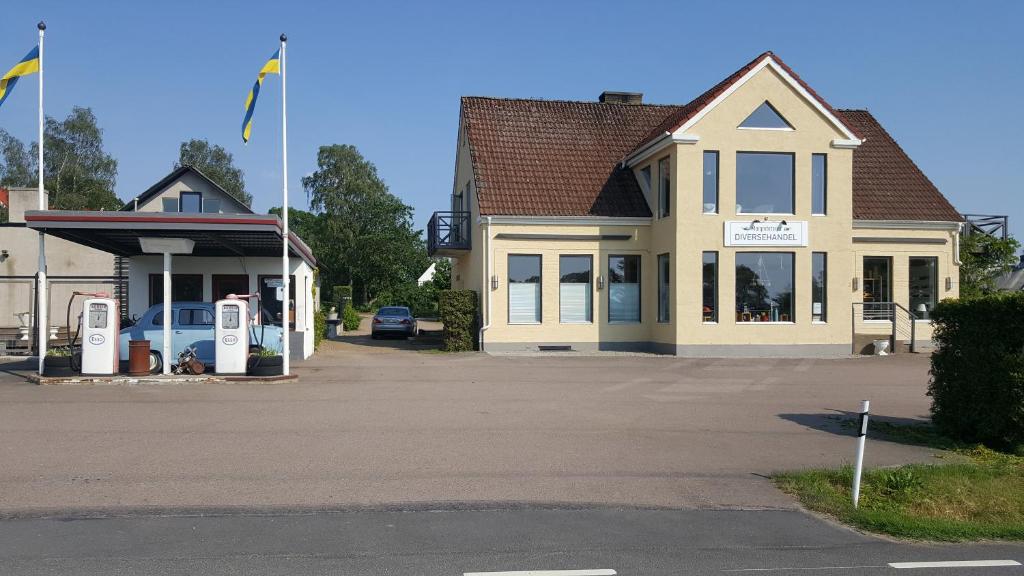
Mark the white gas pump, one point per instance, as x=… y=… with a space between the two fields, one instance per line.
x=100 y=333
x=231 y=335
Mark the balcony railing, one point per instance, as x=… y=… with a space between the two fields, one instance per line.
x=448 y=231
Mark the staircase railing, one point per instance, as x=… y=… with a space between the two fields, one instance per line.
x=890 y=312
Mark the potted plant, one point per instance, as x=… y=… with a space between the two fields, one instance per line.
x=61 y=362
x=332 y=314
x=265 y=362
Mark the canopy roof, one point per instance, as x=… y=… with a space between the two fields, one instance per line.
x=238 y=235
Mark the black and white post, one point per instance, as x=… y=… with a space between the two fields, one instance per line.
x=862 y=434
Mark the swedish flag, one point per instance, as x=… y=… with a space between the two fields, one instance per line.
x=273 y=66
x=28 y=65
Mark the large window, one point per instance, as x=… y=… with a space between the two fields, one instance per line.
x=924 y=285
x=819 y=287
x=623 y=289
x=819 y=183
x=711 y=182
x=709 y=308
x=764 y=286
x=524 y=289
x=764 y=183
x=664 y=188
x=574 y=289
x=191 y=202
x=664 y=286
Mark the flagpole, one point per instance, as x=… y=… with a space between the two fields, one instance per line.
x=42 y=326
x=285 y=301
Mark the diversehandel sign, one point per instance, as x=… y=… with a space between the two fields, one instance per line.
x=757 y=233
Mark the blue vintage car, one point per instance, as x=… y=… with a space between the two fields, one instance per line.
x=193 y=326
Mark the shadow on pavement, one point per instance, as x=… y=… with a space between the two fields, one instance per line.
x=910 y=431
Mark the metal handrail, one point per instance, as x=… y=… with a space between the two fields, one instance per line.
x=888 y=311
x=448 y=230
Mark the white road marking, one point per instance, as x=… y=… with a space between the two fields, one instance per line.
x=601 y=572
x=791 y=569
x=955 y=564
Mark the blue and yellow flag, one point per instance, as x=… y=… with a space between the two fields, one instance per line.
x=273 y=66
x=28 y=65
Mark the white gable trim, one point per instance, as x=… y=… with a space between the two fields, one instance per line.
x=655 y=146
x=769 y=61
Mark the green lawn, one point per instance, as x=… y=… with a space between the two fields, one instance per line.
x=977 y=494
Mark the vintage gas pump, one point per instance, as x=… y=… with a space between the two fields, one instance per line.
x=231 y=333
x=100 y=327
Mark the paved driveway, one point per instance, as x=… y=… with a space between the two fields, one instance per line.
x=389 y=426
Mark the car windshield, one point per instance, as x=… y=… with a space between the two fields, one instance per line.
x=394 y=311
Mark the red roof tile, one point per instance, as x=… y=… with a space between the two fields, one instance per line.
x=556 y=158
x=887 y=185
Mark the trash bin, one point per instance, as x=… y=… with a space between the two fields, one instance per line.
x=138 y=357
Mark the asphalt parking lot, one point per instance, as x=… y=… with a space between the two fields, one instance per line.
x=392 y=424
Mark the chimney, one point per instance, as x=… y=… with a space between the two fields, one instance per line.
x=608 y=97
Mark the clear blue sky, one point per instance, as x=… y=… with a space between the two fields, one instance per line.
x=944 y=78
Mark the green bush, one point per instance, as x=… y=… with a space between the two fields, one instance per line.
x=977 y=384
x=339 y=294
x=350 y=319
x=421 y=300
x=458 y=313
x=319 y=327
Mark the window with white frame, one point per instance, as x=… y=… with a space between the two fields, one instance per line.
x=819 y=184
x=623 y=289
x=524 y=289
x=664 y=187
x=764 y=286
x=710 y=182
x=575 y=289
x=664 y=289
x=764 y=183
x=924 y=285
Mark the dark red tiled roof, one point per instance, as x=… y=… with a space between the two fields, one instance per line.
x=556 y=158
x=887 y=185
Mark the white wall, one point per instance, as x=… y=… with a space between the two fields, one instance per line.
x=254 y=267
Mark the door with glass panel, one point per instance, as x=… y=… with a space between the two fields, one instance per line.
x=623 y=289
x=877 y=290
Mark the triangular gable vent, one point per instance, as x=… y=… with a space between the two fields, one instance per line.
x=766 y=116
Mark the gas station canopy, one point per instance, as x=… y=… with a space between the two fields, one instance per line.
x=214 y=234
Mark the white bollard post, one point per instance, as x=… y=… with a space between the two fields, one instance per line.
x=862 y=433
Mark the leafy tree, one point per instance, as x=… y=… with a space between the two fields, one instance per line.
x=78 y=174
x=16 y=166
x=443 y=274
x=983 y=259
x=365 y=233
x=218 y=164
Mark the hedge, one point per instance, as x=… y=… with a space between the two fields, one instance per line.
x=977 y=384
x=458 y=312
x=319 y=327
x=350 y=319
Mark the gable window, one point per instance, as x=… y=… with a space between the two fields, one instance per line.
x=711 y=182
x=170 y=204
x=664 y=271
x=664 y=188
x=191 y=202
x=524 y=289
x=574 y=289
x=764 y=183
x=764 y=287
x=623 y=289
x=819 y=183
x=211 y=205
x=766 y=117
x=923 y=285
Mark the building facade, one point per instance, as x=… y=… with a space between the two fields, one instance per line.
x=755 y=220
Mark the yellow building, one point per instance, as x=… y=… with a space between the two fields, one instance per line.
x=755 y=220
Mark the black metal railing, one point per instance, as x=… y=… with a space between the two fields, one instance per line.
x=448 y=231
x=903 y=322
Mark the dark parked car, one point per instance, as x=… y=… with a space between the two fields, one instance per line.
x=393 y=320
